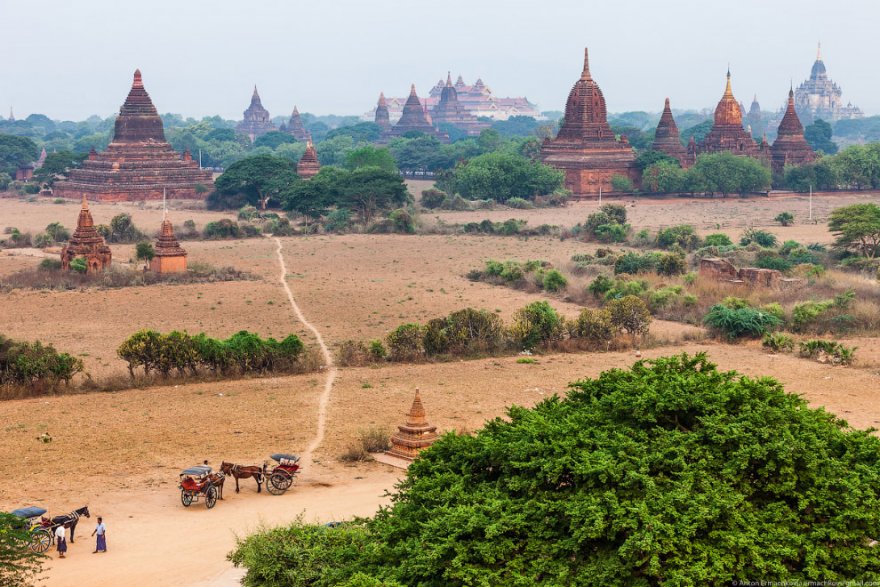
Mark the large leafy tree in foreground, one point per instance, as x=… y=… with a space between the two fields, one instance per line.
x=19 y=565
x=670 y=473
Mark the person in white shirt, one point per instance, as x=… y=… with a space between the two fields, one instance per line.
x=101 y=531
x=61 y=539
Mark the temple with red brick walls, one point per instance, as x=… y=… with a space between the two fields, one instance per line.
x=86 y=243
x=727 y=134
x=414 y=436
x=169 y=257
x=308 y=165
x=415 y=119
x=667 y=138
x=382 y=117
x=585 y=148
x=452 y=112
x=790 y=146
x=256 y=120
x=295 y=127
x=138 y=164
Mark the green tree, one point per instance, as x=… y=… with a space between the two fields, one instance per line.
x=369 y=190
x=16 y=151
x=144 y=252
x=726 y=173
x=501 y=176
x=785 y=218
x=259 y=179
x=363 y=132
x=818 y=135
x=58 y=164
x=664 y=177
x=537 y=324
x=274 y=139
x=630 y=314
x=19 y=565
x=370 y=156
x=417 y=155
x=857 y=228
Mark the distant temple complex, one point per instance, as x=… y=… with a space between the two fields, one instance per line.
x=256 y=120
x=727 y=134
x=819 y=97
x=308 y=165
x=667 y=138
x=414 y=436
x=450 y=111
x=755 y=120
x=790 y=146
x=86 y=243
x=586 y=149
x=295 y=127
x=138 y=164
x=415 y=118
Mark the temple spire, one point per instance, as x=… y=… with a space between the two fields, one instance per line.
x=138 y=82
x=164 y=204
x=819 y=52
x=728 y=91
x=586 y=73
x=382 y=99
x=448 y=79
x=412 y=90
x=85 y=203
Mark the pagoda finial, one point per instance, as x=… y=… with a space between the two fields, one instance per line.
x=138 y=82
x=448 y=79
x=412 y=90
x=666 y=106
x=819 y=52
x=586 y=73
x=295 y=111
x=382 y=99
x=728 y=91
x=85 y=203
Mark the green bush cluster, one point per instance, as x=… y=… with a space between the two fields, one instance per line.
x=35 y=365
x=683 y=236
x=226 y=228
x=521 y=274
x=739 y=322
x=510 y=227
x=242 y=353
x=608 y=225
x=838 y=353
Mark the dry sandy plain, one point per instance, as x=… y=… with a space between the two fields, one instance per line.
x=120 y=452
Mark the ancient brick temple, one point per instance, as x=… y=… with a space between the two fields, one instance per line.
x=256 y=120
x=169 y=257
x=728 y=134
x=755 y=119
x=790 y=146
x=138 y=164
x=586 y=148
x=667 y=138
x=415 y=119
x=86 y=243
x=308 y=165
x=295 y=127
x=414 y=436
x=450 y=111
x=382 y=117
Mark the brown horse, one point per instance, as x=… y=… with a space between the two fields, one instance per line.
x=218 y=479
x=243 y=472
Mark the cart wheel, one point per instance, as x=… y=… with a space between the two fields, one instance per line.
x=211 y=496
x=277 y=483
x=41 y=540
x=186 y=498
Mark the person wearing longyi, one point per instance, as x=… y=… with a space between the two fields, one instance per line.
x=101 y=532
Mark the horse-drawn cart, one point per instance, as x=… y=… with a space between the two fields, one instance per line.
x=41 y=529
x=197 y=482
x=280 y=478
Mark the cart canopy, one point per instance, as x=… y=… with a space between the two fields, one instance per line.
x=285 y=459
x=28 y=512
x=197 y=471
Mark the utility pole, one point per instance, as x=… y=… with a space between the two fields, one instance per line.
x=811 y=202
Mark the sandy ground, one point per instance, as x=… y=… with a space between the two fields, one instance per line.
x=120 y=452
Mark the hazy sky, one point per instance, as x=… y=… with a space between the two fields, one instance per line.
x=69 y=59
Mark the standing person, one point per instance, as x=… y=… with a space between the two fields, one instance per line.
x=61 y=539
x=101 y=531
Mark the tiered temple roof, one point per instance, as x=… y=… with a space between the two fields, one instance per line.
x=138 y=164
x=667 y=138
x=819 y=97
x=790 y=146
x=256 y=120
x=728 y=134
x=450 y=111
x=308 y=165
x=586 y=148
x=86 y=243
x=295 y=127
x=169 y=257
x=382 y=117
x=414 y=436
x=414 y=119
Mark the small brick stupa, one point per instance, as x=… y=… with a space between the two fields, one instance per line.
x=138 y=164
x=256 y=121
x=382 y=117
x=667 y=139
x=169 y=257
x=295 y=127
x=308 y=165
x=415 y=435
x=415 y=119
x=86 y=243
x=790 y=146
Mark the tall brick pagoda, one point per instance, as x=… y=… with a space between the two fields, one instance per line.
x=414 y=119
x=308 y=165
x=86 y=243
x=295 y=127
x=383 y=119
x=256 y=120
x=414 y=436
x=585 y=147
x=667 y=138
x=790 y=146
x=138 y=164
x=728 y=134
x=450 y=111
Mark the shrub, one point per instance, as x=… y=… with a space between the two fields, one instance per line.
x=770 y=260
x=519 y=203
x=79 y=265
x=629 y=314
x=777 y=342
x=664 y=296
x=774 y=309
x=805 y=314
x=248 y=213
x=338 y=220
x=537 y=324
x=600 y=286
x=616 y=212
x=671 y=264
x=621 y=183
x=42 y=240
x=740 y=322
x=759 y=237
x=49 y=265
x=785 y=218
x=634 y=263
x=405 y=343
x=34 y=365
x=554 y=281
x=433 y=198
x=221 y=229
x=377 y=350
x=735 y=303
x=623 y=288
x=594 y=327
x=464 y=333
x=612 y=233
x=682 y=235
x=717 y=240
x=57 y=231
x=402 y=222
x=834 y=351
